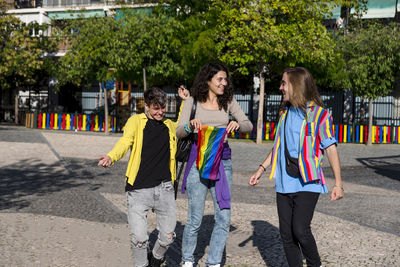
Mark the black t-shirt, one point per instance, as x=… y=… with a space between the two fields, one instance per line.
x=154 y=163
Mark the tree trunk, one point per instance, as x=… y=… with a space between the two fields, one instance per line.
x=117 y=99
x=106 y=111
x=260 y=118
x=362 y=111
x=370 y=112
x=100 y=95
x=16 y=107
x=102 y=86
x=144 y=80
x=130 y=97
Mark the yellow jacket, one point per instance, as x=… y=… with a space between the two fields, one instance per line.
x=133 y=139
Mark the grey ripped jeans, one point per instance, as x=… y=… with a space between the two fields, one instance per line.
x=161 y=199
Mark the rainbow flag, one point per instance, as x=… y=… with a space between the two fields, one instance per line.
x=209 y=151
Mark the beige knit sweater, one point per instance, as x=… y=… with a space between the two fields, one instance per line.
x=216 y=118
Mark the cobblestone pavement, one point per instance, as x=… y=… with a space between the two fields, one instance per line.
x=57 y=208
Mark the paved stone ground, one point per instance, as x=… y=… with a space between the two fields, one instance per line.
x=57 y=208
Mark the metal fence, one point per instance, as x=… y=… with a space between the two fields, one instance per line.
x=386 y=110
x=249 y=104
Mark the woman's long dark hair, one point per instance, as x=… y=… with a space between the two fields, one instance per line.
x=200 y=86
x=304 y=89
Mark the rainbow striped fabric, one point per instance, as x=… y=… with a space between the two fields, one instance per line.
x=316 y=127
x=209 y=151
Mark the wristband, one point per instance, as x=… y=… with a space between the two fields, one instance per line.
x=187 y=128
x=341 y=187
x=263 y=167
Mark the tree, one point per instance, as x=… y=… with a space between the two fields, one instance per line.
x=22 y=53
x=87 y=59
x=372 y=54
x=148 y=43
x=89 y=46
x=198 y=45
x=130 y=45
x=265 y=35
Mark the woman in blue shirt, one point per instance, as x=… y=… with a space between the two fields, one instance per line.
x=304 y=133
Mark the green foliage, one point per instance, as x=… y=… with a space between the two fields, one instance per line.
x=198 y=47
x=254 y=36
x=372 y=56
x=355 y=18
x=159 y=47
x=267 y=35
x=197 y=36
x=86 y=60
x=125 y=45
x=22 y=48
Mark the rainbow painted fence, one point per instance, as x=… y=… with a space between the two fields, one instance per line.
x=344 y=133
x=69 y=121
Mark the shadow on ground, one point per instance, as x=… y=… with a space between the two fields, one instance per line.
x=26 y=179
x=385 y=166
x=265 y=239
x=34 y=187
x=368 y=207
x=174 y=254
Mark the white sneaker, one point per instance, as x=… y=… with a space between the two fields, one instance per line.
x=187 y=264
x=215 y=265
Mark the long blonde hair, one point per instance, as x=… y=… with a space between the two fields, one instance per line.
x=304 y=89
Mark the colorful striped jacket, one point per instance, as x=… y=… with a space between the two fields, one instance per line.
x=317 y=126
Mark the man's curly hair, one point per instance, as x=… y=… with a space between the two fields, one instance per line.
x=155 y=96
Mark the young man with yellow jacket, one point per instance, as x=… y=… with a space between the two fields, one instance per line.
x=150 y=175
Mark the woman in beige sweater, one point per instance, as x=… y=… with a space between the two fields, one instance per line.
x=213 y=92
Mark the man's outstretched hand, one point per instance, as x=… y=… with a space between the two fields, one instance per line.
x=105 y=161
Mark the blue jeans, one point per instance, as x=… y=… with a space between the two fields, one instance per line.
x=197 y=189
x=161 y=199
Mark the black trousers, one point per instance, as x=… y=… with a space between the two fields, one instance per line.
x=295 y=211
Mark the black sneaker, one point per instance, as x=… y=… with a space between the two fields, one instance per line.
x=149 y=256
x=153 y=262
